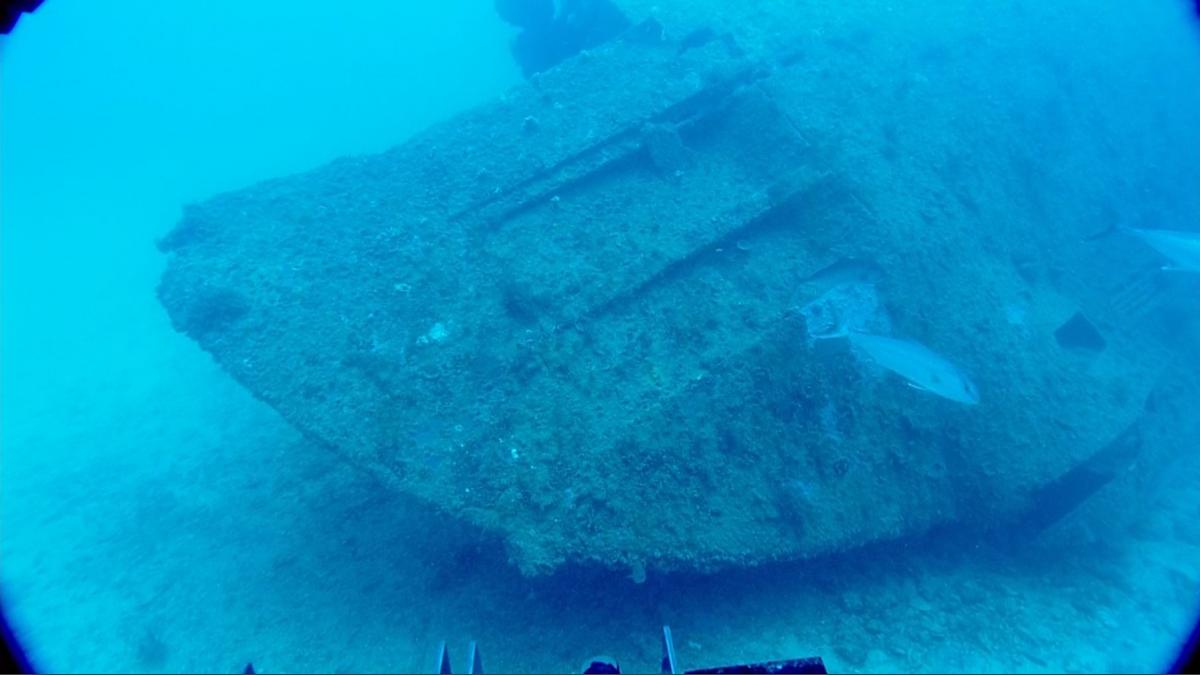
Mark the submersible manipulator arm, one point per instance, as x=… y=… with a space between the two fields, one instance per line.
x=668 y=664
x=597 y=665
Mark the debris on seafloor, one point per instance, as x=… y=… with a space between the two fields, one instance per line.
x=851 y=306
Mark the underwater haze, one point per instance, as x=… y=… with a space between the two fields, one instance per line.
x=865 y=332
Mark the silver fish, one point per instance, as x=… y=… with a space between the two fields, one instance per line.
x=917 y=364
x=1180 y=247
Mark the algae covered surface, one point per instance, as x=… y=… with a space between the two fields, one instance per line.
x=564 y=350
x=575 y=315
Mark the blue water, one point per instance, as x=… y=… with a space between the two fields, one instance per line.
x=155 y=516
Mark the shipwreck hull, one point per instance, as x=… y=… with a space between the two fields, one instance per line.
x=578 y=318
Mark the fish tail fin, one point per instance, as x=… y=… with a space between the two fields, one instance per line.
x=841 y=330
x=1115 y=227
x=1105 y=233
x=831 y=335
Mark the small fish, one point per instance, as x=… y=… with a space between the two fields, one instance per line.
x=1182 y=248
x=917 y=364
x=845 y=272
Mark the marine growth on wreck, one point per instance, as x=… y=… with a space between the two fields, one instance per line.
x=592 y=317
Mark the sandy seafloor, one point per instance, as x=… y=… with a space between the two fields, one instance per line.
x=156 y=517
